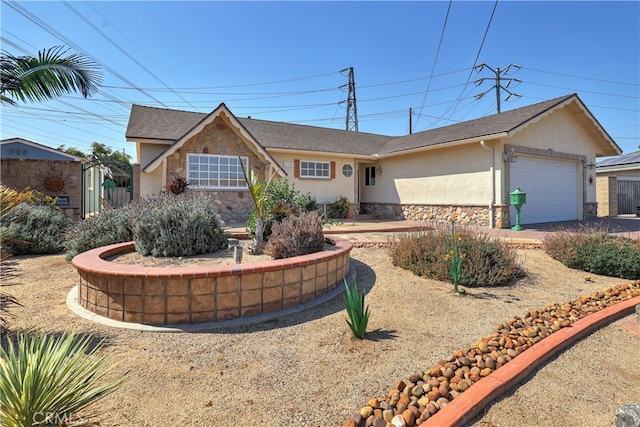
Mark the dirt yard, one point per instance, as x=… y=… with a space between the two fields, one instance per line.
x=307 y=370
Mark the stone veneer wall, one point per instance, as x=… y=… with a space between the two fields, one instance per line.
x=22 y=173
x=469 y=215
x=218 y=138
x=590 y=210
x=179 y=295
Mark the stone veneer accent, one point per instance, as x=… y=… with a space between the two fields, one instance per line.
x=218 y=138
x=468 y=215
x=590 y=210
x=22 y=173
x=179 y=295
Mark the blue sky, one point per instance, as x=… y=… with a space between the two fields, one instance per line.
x=282 y=61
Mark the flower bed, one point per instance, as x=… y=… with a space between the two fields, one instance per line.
x=417 y=400
x=183 y=295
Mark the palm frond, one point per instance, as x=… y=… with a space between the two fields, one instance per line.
x=47 y=76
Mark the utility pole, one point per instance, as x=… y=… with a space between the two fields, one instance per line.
x=351 y=122
x=410 y=120
x=498 y=82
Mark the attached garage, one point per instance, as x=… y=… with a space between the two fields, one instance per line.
x=551 y=186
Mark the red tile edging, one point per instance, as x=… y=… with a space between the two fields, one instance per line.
x=465 y=407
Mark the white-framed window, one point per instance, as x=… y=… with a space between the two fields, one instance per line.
x=321 y=170
x=213 y=171
x=347 y=170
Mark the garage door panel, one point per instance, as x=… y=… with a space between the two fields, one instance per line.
x=551 y=187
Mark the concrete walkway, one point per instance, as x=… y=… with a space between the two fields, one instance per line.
x=379 y=231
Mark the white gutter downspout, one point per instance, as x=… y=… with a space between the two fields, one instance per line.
x=493 y=184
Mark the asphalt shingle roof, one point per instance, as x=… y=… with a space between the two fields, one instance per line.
x=171 y=125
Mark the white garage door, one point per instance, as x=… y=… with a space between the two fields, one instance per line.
x=551 y=187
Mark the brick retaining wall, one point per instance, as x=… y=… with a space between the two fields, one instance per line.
x=178 y=295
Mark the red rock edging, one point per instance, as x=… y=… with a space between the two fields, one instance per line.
x=203 y=294
x=455 y=390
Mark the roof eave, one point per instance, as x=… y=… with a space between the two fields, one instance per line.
x=444 y=145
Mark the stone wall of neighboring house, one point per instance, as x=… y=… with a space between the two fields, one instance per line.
x=218 y=138
x=55 y=178
x=467 y=215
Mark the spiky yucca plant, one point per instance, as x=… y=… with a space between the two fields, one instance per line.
x=46 y=380
x=358 y=314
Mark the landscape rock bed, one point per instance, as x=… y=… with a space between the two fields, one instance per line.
x=414 y=400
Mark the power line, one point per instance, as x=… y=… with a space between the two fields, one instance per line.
x=435 y=61
x=581 y=77
x=117 y=46
x=475 y=62
x=40 y=23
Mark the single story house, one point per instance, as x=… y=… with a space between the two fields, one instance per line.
x=27 y=164
x=463 y=171
x=618 y=184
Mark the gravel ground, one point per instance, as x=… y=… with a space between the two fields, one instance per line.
x=307 y=370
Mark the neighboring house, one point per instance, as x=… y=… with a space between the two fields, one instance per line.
x=618 y=183
x=464 y=171
x=27 y=164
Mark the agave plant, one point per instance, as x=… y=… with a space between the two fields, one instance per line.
x=358 y=314
x=47 y=381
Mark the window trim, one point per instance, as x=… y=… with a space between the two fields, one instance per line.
x=315 y=162
x=193 y=181
x=347 y=167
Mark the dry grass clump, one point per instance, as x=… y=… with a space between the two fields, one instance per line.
x=295 y=236
x=486 y=261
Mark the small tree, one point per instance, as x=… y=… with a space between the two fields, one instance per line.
x=259 y=195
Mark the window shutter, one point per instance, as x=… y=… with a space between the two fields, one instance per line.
x=296 y=168
x=333 y=170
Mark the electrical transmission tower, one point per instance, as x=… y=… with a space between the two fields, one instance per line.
x=498 y=82
x=351 y=122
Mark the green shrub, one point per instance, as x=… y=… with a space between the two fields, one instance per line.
x=355 y=306
x=596 y=251
x=34 y=229
x=295 y=236
x=46 y=380
x=178 y=225
x=340 y=208
x=108 y=227
x=487 y=262
x=282 y=200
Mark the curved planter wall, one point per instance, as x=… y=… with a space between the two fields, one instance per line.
x=175 y=295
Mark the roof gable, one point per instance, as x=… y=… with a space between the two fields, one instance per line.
x=501 y=125
x=220 y=111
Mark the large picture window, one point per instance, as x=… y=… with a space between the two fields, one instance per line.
x=315 y=169
x=215 y=172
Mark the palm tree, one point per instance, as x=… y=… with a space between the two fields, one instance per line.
x=47 y=76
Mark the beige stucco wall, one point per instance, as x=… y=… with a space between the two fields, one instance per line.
x=556 y=134
x=457 y=175
x=145 y=153
x=324 y=190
